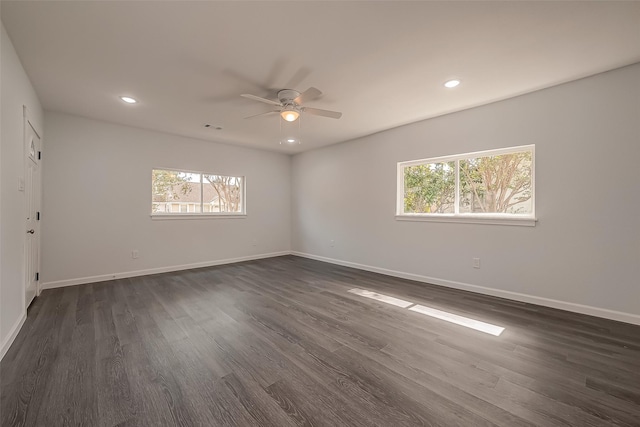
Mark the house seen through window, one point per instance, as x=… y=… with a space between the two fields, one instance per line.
x=196 y=193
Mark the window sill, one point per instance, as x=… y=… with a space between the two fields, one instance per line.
x=160 y=217
x=475 y=219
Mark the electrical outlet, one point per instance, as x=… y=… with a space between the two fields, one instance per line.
x=135 y=254
x=332 y=243
x=254 y=243
x=476 y=262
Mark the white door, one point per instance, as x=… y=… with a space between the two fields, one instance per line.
x=32 y=196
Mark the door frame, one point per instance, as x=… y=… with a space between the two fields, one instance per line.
x=28 y=121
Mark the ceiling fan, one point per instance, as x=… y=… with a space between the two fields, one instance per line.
x=290 y=104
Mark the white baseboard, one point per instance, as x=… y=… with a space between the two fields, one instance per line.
x=13 y=333
x=105 y=277
x=532 y=299
x=546 y=302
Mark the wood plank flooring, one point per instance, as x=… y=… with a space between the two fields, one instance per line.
x=281 y=342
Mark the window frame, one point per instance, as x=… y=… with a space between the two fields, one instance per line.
x=470 y=217
x=202 y=214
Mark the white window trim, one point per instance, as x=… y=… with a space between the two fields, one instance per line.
x=204 y=215
x=467 y=218
x=525 y=221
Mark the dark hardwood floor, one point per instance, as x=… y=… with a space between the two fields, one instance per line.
x=281 y=342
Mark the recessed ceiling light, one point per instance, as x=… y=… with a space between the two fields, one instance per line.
x=128 y=99
x=451 y=83
x=289 y=141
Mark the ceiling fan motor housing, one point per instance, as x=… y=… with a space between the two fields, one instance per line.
x=286 y=96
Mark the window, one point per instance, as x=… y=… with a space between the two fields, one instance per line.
x=181 y=193
x=486 y=186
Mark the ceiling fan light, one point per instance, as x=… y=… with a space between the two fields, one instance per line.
x=290 y=115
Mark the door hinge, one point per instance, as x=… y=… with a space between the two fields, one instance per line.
x=37 y=276
x=37 y=216
x=39 y=155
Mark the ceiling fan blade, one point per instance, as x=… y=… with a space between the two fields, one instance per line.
x=262 y=114
x=257 y=98
x=298 y=77
x=276 y=70
x=324 y=113
x=307 y=95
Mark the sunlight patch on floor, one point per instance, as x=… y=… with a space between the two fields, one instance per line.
x=381 y=297
x=487 y=328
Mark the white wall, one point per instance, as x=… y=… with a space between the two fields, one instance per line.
x=16 y=91
x=97 y=202
x=584 y=253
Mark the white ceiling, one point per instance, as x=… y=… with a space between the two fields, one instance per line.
x=381 y=63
